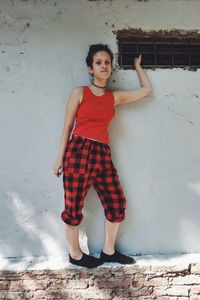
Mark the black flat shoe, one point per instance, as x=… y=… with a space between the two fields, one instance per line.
x=117 y=257
x=86 y=260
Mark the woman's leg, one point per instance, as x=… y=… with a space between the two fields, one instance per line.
x=72 y=236
x=108 y=187
x=76 y=256
x=77 y=180
x=111 y=230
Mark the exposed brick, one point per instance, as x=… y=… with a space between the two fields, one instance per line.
x=58 y=284
x=35 y=284
x=111 y=283
x=133 y=269
x=188 y=279
x=4 y=285
x=120 y=298
x=3 y=294
x=17 y=295
x=157 y=281
x=8 y=275
x=137 y=283
x=194 y=297
x=121 y=283
x=43 y=294
x=104 y=272
x=145 y=291
x=166 y=271
x=64 y=276
x=67 y=284
x=195 y=268
x=77 y=284
x=84 y=275
x=147 y=297
x=16 y=285
x=172 y=298
x=97 y=294
x=172 y=291
x=195 y=289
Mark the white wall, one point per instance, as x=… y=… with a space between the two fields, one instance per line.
x=155 y=141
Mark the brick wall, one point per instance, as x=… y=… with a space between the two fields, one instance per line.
x=123 y=282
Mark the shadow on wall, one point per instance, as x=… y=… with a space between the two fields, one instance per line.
x=22 y=228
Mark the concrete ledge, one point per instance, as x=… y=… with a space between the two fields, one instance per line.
x=55 y=263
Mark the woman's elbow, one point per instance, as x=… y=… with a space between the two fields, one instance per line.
x=149 y=90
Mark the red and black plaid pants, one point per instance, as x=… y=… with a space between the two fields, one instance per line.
x=88 y=162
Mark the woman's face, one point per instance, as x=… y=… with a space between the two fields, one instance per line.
x=102 y=67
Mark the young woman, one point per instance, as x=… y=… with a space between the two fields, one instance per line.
x=86 y=158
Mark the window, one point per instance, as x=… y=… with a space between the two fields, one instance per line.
x=159 y=53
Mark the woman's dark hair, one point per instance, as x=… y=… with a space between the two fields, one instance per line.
x=94 y=49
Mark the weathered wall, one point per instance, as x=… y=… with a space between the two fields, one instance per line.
x=154 y=141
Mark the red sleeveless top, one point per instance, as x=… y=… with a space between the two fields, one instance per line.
x=94 y=114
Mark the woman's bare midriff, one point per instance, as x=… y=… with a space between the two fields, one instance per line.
x=88 y=138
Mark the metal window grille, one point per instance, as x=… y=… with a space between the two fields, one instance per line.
x=160 y=54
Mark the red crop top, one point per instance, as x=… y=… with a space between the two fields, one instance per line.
x=94 y=114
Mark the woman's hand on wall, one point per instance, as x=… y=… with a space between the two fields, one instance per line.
x=137 y=60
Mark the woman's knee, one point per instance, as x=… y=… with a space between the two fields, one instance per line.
x=119 y=217
x=70 y=220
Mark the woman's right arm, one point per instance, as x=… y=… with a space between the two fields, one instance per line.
x=70 y=114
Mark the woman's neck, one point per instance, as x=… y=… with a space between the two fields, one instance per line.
x=99 y=82
x=98 y=86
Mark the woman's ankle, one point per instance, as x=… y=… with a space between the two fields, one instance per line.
x=108 y=251
x=76 y=254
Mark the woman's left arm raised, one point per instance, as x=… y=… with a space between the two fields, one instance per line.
x=122 y=97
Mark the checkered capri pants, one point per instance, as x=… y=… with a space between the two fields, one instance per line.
x=88 y=162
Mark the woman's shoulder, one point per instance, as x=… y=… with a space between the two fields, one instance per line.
x=113 y=92
x=79 y=92
x=78 y=89
x=116 y=95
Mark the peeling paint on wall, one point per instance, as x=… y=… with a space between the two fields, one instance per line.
x=34 y=1
x=140 y=34
x=112 y=0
